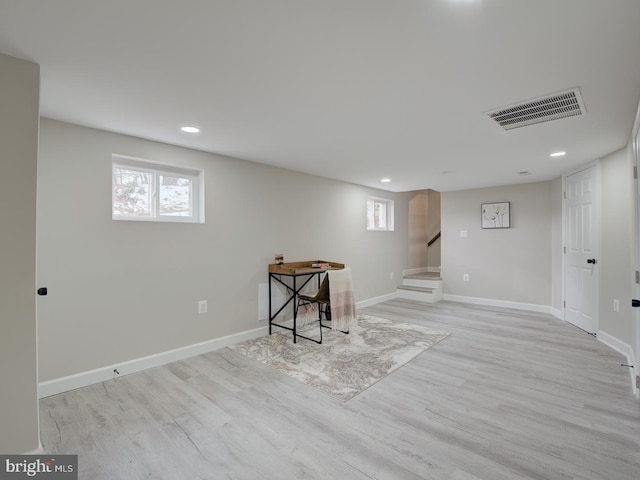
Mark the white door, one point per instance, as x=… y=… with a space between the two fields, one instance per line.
x=582 y=247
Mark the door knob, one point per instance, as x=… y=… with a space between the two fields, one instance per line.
x=42 y=291
x=635 y=303
x=592 y=260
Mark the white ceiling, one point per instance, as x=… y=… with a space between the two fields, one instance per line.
x=348 y=89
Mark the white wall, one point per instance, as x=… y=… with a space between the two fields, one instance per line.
x=417 y=229
x=511 y=264
x=557 y=292
x=423 y=225
x=19 y=100
x=123 y=290
x=433 y=227
x=616 y=256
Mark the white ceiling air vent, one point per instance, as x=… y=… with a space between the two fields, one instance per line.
x=544 y=109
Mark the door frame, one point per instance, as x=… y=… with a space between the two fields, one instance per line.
x=635 y=146
x=565 y=219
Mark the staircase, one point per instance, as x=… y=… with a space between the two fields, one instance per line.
x=423 y=287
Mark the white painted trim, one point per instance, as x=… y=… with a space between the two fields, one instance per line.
x=71 y=382
x=83 y=379
x=37 y=451
x=415 y=271
x=586 y=166
x=37 y=399
x=532 y=307
x=623 y=349
x=559 y=314
x=286 y=323
x=375 y=300
x=635 y=212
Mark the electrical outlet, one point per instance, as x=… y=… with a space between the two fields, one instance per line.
x=202 y=306
x=465 y=277
x=616 y=305
x=391 y=276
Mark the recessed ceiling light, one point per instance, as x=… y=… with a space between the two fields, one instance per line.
x=385 y=180
x=190 y=129
x=558 y=154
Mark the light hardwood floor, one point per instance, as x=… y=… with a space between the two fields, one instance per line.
x=509 y=395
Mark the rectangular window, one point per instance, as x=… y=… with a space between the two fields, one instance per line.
x=145 y=190
x=379 y=214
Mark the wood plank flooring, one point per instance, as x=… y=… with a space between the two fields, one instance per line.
x=510 y=395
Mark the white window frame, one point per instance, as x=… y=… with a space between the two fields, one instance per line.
x=157 y=169
x=389 y=209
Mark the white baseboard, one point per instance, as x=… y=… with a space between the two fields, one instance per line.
x=374 y=300
x=532 y=307
x=559 y=314
x=71 y=382
x=83 y=379
x=624 y=349
x=37 y=451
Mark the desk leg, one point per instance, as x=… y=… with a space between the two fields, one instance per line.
x=292 y=296
x=295 y=310
x=270 y=304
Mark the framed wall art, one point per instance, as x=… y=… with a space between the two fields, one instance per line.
x=496 y=215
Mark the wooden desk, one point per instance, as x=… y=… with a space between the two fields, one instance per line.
x=294 y=276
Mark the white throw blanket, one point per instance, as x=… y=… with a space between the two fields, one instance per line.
x=343 y=305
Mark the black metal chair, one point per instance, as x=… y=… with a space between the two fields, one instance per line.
x=323 y=301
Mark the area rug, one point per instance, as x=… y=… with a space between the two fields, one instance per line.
x=343 y=365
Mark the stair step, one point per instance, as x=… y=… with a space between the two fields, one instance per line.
x=416 y=289
x=424 y=282
x=424 y=276
x=420 y=293
x=423 y=287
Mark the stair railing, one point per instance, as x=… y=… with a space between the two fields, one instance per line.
x=432 y=241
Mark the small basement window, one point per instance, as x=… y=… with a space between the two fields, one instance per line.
x=149 y=191
x=379 y=214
